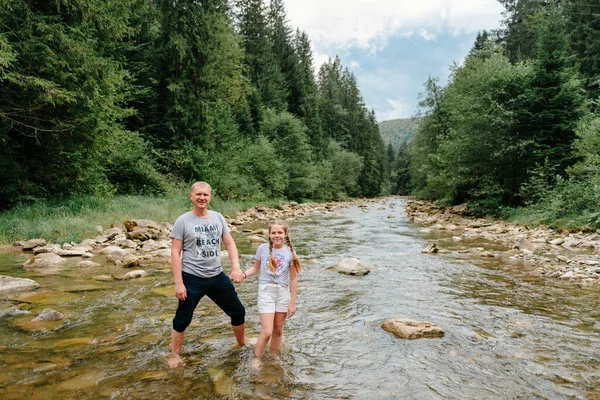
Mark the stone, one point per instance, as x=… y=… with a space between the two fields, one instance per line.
x=109 y=249
x=523 y=244
x=430 y=249
x=71 y=253
x=44 y=260
x=567 y=275
x=162 y=254
x=12 y=311
x=125 y=243
x=459 y=209
x=147 y=223
x=257 y=239
x=152 y=245
x=411 y=329
x=49 y=248
x=87 y=264
x=138 y=273
x=118 y=255
x=104 y=278
x=112 y=232
x=350 y=266
x=48 y=314
x=31 y=244
x=131 y=260
x=10 y=285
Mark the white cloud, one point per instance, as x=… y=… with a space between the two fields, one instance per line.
x=318 y=60
x=395 y=108
x=354 y=65
x=335 y=25
x=426 y=35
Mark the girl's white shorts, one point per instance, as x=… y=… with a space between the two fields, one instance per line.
x=273 y=298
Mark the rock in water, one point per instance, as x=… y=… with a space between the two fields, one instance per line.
x=431 y=249
x=10 y=285
x=350 y=266
x=411 y=329
x=44 y=260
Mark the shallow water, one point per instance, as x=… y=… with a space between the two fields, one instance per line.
x=508 y=336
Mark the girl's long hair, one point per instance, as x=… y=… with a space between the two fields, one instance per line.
x=295 y=259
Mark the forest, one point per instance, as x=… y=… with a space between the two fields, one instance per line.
x=516 y=130
x=106 y=97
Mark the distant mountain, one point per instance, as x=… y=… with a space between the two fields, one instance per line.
x=398 y=131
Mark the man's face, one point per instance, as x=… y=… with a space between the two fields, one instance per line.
x=200 y=197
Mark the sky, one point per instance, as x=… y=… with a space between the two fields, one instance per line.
x=393 y=46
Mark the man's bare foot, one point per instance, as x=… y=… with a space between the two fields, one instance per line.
x=248 y=342
x=174 y=360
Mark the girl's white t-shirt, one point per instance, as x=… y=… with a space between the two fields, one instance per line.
x=283 y=258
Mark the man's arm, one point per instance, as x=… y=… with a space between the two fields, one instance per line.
x=176 y=246
x=236 y=273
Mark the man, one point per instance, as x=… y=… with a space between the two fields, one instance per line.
x=196 y=263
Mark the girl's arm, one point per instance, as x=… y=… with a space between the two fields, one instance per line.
x=293 y=290
x=252 y=270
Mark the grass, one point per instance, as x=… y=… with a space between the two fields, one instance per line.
x=537 y=215
x=74 y=219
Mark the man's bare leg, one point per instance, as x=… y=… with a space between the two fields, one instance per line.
x=240 y=334
x=174 y=359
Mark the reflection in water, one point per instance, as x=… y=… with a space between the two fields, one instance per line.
x=507 y=335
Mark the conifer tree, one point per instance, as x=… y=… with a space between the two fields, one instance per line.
x=304 y=98
x=262 y=64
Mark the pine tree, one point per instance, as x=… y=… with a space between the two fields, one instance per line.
x=304 y=98
x=584 y=27
x=61 y=95
x=555 y=99
x=263 y=66
x=521 y=27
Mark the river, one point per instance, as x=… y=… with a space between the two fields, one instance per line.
x=508 y=335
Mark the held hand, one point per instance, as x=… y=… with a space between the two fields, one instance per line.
x=291 y=310
x=180 y=291
x=236 y=275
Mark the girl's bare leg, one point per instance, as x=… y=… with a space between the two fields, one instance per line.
x=277 y=336
x=266 y=331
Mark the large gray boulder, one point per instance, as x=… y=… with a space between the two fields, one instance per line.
x=44 y=260
x=10 y=285
x=411 y=329
x=350 y=266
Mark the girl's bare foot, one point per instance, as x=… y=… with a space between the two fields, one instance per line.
x=256 y=363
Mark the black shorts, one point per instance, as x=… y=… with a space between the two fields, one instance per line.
x=219 y=289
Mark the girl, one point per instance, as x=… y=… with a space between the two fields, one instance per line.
x=277 y=284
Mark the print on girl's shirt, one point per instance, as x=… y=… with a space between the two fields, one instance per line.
x=278 y=259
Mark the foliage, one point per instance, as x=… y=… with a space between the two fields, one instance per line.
x=137 y=97
x=501 y=132
x=398 y=131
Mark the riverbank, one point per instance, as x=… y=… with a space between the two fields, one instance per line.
x=139 y=242
x=78 y=218
x=540 y=251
